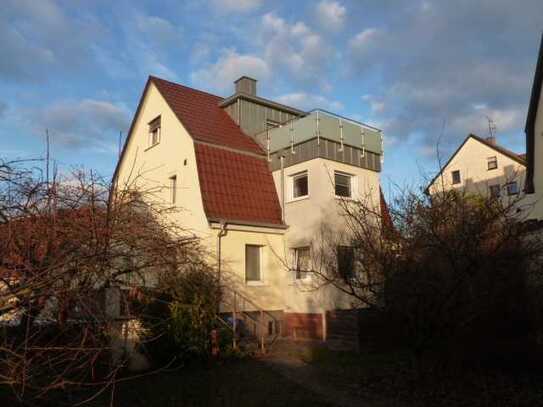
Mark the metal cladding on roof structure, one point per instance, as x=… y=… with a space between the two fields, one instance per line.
x=325 y=125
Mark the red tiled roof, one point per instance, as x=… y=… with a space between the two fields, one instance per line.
x=203 y=118
x=236 y=186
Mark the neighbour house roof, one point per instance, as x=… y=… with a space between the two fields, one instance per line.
x=530 y=120
x=519 y=158
x=236 y=184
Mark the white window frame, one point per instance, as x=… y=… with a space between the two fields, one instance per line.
x=459 y=177
x=173 y=188
x=152 y=130
x=494 y=160
x=260 y=265
x=292 y=180
x=351 y=185
x=305 y=275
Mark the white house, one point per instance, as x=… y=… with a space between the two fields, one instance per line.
x=481 y=166
x=255 y=179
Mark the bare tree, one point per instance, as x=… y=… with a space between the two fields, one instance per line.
x=63 y=244
x=441 y=269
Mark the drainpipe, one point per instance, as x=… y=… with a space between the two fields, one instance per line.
x=220 y=235
x=283 y=188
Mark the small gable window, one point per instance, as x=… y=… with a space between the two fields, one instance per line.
x=154 y=131
x=492 y=163
x=456 y=177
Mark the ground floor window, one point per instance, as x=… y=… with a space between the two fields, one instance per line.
x=345 y=262
x=302 y=262
x=512 y=188
x=253 y=259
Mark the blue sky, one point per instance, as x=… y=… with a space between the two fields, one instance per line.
x=423 y=71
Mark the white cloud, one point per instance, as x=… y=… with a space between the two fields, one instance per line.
x=162 y=32
x=476 y=121
x=302 y=52
x=307 y=101
x=330 y=15
x=229 y=67
x=377 y=106
x=88 y=122
x=364 y=41
x=236 y=5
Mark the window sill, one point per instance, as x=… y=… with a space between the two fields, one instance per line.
x=345 y=198
x=303 y=281
x=150 y=147
x=301 y=198
x=256 y=284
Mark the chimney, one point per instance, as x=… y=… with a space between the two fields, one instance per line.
x=246 y=85
x=491 y=140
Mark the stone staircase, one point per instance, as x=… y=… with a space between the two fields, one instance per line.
x=249 y=323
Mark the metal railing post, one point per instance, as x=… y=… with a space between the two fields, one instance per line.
x=262 y=331
x=234 y=322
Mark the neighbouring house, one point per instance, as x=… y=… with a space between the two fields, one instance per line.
x=534 y=142
x=255 y=180
x=481 y=166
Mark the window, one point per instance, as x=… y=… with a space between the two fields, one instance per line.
x=345 y=262
x=492 y=163
x=512 y=188
x=300 y=187
x=494 y=191
x=302 y=262
x=154 y=131
x=456 y=177
x=173 y=189
x=252 y=263
x=342 y=184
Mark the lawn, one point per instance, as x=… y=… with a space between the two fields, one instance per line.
x=387 y=379
x=241 y=383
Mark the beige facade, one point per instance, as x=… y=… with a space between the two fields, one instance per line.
x=480 y=168
x=305 y=217
x=151 y=168
x=150 y=162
